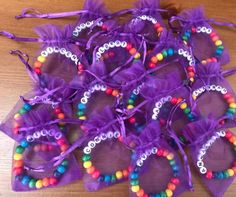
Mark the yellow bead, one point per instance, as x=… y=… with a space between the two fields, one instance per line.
x=204 y=62
x=39 y=184
x=17 y=116
x=169 y=193
x=234 y=143
x=41 y=59
x=130 y=107
x=135 y=188
x=183 y=106
x=232 y=105
x=119 y=175
x=170 y=156
x=137 y=56
x=159 y=56
x=218 y=43
x=87 y=164
x=230 y=172
x=194 y=97
x=191 y=79
x=82 y=118
x=18 y=157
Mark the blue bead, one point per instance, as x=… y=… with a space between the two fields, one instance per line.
x=230 y=115
x=27 y=107
x=158 y=195
x=134 y=175
x=220 y=175
x=107 y=178
x=133 y=96
x=170 y=52
x=25 y=180
x=175 y=168
x=187 y=33
x=57 y=174
x=19 y=177
x=151 y=195
x=219 y=52
x=61 y=169
x=24 y=143
x=101 y=178
x=81 y=106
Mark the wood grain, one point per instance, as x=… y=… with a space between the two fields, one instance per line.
x=14 y=80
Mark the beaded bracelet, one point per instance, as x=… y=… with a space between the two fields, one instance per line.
x=134 y=175
x=157 y=26
x=169 y=53
x=25 y=109
x=90 y=168
x=84 y=100
x=214 y=37
x=78 y=29
x=217 y=88
x=130 y=105
x=19 y=170
x=50 y=50
x=209 y=174
x=123 y=44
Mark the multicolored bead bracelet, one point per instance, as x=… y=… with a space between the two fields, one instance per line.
x=123 y=44
x=219 y=175
x=134 y=175
x=214 y=37
x=84 y=100
x=50 y=50
x=130 y=105
x=159 y=57
x=217 y=88
x=90 y=168
x=88 y=25
x=20 y=171
x=25 y=109
x=157 y=26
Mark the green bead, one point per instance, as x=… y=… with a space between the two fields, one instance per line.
x=65 y=163
x=62 y=127
x=130 y=101
x=226 y=175
x=172 y=162
x=134 y=182
x=80 y=113
x=163 y=194
x=234 y=148
x=221 y=47
x=22 y=111
x=185 y=38
x=32 y=183
x=187 y=110
x=86 y=158
x=232 y=110
x=113 y=178
x=19 y=149
x=164 y=53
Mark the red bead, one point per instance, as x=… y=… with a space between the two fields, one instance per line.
x=130 y=168
x=214 y=59
x=234 y=164
x=228 y=134
x=37 y=70
x=190 y=69
x=53 y=181
x=160 y=152
x=44 y=147
x=209 y=175
x=227 y=96
x=120 y=138
x=157 y=25
x=109 y=91
x=111 y=54
x=104 y=27
x=61 y=142
x=50 y=147
x=129 y=46
x=175 y=181
x=162 y=122
x=213 y=34
x=16 y=131
x=17 y=171
x=194 y=29
x=57 y=110
x=132 y=120
x=222 y=122
x=152 y=65
x=96 y=174
x=106 y=56
x=174 y=100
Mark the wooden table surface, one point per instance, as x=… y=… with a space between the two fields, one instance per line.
x=14 y=80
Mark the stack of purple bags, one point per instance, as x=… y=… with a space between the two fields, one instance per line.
x=133 y=94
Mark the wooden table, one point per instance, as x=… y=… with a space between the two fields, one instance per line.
x=14 y=80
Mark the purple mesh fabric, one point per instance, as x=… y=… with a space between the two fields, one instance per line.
x=218 y=157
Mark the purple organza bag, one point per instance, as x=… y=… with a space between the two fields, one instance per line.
x=147 y=21
x=212 y=150
x=170 y=55
x=156 y=167
x=35 y=163
x=212 y=94
x=197 y=33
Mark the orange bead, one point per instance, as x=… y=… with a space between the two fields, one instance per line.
x=160 y=29
x=171 y=186
x=133 y=51
x=61 y=116
x=154 y=60
x=125 y=173
x=179 y=100
x=64 y=147
x=46 y=182
x=18 y=164
x=234 y=169
x=37 y=64
x=165 y=153
x=140 y=193
x=90 y=170
x=115 y=93
x=232 y=139
x=231 y=100
x=215 y=38
x=191 y=74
